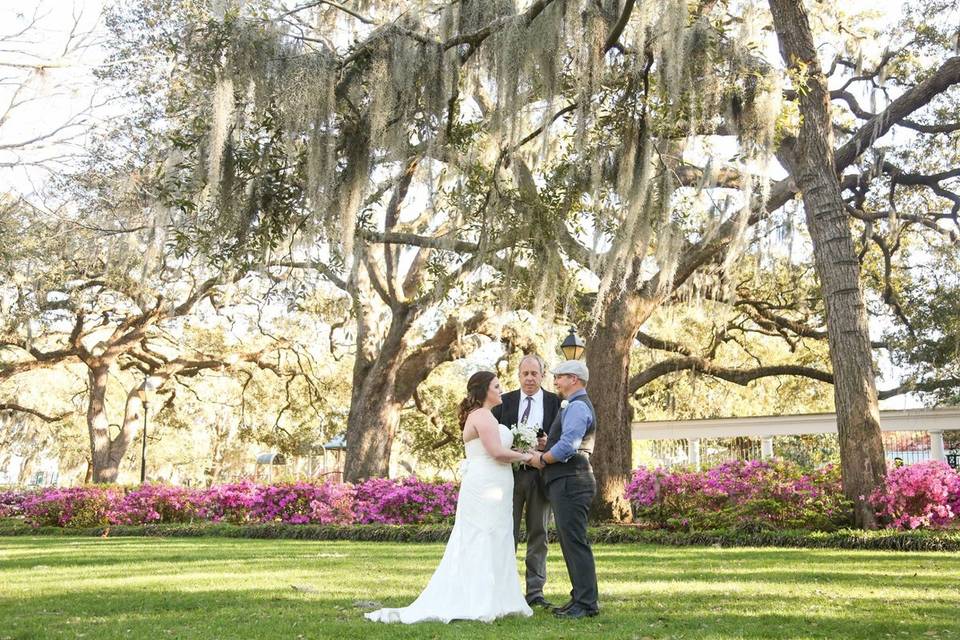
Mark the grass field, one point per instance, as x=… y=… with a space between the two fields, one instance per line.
x=228 y=588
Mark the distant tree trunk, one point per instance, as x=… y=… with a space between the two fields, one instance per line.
x=25 y=464
x=221 y=443
x=810 y=160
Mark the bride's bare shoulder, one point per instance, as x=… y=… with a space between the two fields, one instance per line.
x=481 y=417
x=484 y=420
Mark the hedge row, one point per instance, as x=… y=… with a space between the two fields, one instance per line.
x=887 y=540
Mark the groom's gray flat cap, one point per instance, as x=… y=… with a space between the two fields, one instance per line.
x=573 y=367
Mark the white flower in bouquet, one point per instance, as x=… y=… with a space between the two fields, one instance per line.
x=524 y=436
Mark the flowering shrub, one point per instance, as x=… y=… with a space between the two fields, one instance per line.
x=156 y=503
x=376 y=501
x=740 y=494
x=406 y=501
x=73 y=507
x=303 y=503
x=230 y=502
x=11 y=503
x=926 y=494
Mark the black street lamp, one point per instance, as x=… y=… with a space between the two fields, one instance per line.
x=143 y=394
x=572 y=346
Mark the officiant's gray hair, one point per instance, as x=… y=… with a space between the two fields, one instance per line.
x=540 y=361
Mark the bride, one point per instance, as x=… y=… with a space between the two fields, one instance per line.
x=477 y=577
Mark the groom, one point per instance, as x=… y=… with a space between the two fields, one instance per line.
x=571 y=486
x=535 y=406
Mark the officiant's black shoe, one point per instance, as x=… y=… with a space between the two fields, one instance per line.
x=563 y=607
x=575 y=613
x=541 y=602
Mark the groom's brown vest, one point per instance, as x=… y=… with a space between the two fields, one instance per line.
x=579 y=463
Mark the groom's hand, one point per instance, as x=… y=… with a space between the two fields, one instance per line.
x=542 y=443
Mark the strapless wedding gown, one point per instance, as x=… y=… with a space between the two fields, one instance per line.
x=477 y=578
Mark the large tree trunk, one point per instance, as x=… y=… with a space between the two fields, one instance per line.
x=811 y=161
x=98 y=425
x=371 y=427
x=608 y=358
x=106 y=453
x=374 y=409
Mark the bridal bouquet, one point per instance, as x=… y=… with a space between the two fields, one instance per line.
x=524 y=437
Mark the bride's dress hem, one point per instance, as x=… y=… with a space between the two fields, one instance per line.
x=392 y=616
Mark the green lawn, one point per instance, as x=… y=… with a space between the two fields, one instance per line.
x=228 y=588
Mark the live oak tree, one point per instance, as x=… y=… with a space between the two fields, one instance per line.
x=552 y=140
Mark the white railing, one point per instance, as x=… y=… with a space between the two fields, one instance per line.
x=932 y=421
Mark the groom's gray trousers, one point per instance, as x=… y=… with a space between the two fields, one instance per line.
x=570 y=498
x=528 y=491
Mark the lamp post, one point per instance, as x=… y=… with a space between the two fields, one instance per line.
x=572 y=346
x=143 y=393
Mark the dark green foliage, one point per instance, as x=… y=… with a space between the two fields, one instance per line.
x=604 y=534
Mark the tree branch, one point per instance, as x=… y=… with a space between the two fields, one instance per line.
x=14 y=407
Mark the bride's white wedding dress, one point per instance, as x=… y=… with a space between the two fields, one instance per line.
x=477 y=578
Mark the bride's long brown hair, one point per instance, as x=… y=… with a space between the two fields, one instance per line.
x=477 y=387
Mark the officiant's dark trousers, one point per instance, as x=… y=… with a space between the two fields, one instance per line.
x=529 y=492
x=570 y=499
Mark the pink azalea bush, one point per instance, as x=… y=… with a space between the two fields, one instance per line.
x=232 y=502
x=72 y=507
x=755 y=494
x=156 y=503
x=407 y=501
x=304 y=503
x=375 y=501
x=926 y=494
x=11 y=503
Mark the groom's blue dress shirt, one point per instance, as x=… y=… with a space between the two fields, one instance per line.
x=576 y=419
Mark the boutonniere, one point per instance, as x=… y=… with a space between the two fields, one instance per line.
x=564 y=404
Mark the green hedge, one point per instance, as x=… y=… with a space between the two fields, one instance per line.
x=890 y=540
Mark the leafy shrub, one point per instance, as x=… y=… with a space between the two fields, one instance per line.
x=926 y=494
x=744 y=495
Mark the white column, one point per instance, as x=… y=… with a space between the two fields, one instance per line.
x=766 y=447
x=936 y=446
x=693 y=453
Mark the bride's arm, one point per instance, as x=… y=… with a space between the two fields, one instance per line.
x=489 y=432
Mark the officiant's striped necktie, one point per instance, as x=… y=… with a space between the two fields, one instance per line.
x=526 y=410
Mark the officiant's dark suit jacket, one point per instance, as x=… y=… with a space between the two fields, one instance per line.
x=508 y=412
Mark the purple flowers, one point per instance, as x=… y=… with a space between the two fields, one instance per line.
x=381 y=501
x=756 y=494
x=11 y=503
x=772 y=494
x=926 y=495
x=404 y=501
x=72 y=507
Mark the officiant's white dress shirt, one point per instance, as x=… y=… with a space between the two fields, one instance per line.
x=536 y=409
